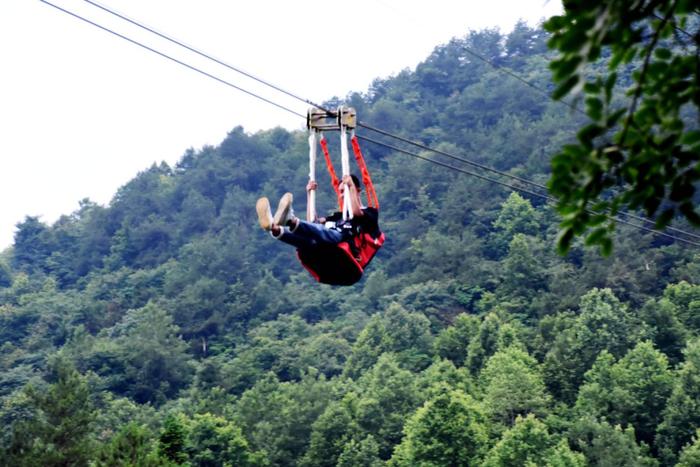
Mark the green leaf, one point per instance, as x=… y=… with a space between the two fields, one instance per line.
x=682 y=190
x=629 y=55
x=589 y=133
x=596 y=236
x=594 y=108
x=564 y=89
x=564 y=68
x=597 y=220
x=664 y=218
x=686 y=6
x=609 y=85
x=690 y=214
x=662 y=53
x=691 y=138
x=592 y=88
x=614 y=118
x=555 y=23
x=564 y=241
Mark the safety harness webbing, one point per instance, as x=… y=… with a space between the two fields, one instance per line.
x=372 y=200
x=331 y=170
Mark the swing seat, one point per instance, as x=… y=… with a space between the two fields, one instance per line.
x=336 y=265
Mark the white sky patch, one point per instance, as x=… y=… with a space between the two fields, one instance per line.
x=82 y=111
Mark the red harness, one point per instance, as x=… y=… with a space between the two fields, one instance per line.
x=337 y=264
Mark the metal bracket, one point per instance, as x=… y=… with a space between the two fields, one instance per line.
x=322 y=120
x=347 y=117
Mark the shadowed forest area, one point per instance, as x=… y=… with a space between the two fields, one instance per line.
x=167 y=329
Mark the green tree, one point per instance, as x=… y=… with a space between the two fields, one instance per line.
x=452 y=342
x=330 y=434
x=131 y=446
x=173 y=438
x=152 y=354
x=513 y=386
x=641 y=152
x=448 y=430
x=279 y=417
x=32 y=246
x=690 y=455
x=443 y=374
x=686 y=298
x=364 y=453
x=665 y=328
x=196 y=214
x=528 y=442
x=59 y=433
x=604 y=323
x=632 y=391
x=5 y=274
x=524 y=277
x=494 y=333
x=213 y=441
x=386 y=396
x=605 y=445
x=517 y=216
x=403 y=333
x=682 y=414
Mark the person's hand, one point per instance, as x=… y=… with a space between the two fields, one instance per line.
x=312 y=185
x=347 y=180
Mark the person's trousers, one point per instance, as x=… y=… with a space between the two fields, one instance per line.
x=309 y=235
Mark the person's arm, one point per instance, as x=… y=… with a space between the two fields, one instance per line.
x=311 y=186
x=355 y=203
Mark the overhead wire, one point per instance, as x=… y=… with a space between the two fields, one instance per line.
x=205 y=55
x=179 y=62
x=369 y=127
x=452 y=167
x=361 y=124
x=514 y=177
x=523 y=190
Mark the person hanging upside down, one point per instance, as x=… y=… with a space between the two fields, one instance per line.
x=323 y=231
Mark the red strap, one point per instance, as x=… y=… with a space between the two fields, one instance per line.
x=331 y=171
x=372 y=200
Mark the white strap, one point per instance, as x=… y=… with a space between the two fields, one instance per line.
x=311 y=208
x=345 y=161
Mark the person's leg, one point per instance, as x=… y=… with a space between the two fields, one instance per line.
x=284 y=214
x=308 y=235
x=300 y=234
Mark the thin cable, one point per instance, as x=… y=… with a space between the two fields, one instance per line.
x=361 y=124
x=513 y=187
x=207 y=56
x=523 y=80
x=523 y=190
x=504 y=174
x=677 y=28
x=208 y=75
x=291 y=94
x=451 y=156
x=452 y=167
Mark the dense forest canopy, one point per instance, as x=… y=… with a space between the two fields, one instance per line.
x=167 y=329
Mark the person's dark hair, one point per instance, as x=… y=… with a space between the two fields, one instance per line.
x=356 y=181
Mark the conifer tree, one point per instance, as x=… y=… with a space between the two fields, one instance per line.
x=59 y=433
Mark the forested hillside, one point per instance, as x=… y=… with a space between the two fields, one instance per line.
x=167 y=329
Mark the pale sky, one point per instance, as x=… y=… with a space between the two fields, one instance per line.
x=82 y=111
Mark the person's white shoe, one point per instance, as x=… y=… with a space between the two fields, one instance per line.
x=284 y=214
x=262 y=206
